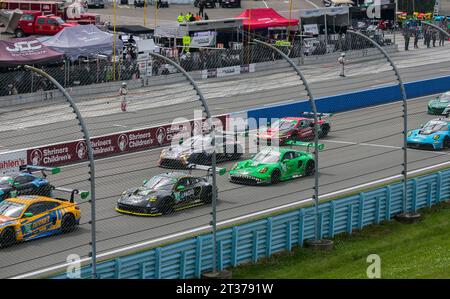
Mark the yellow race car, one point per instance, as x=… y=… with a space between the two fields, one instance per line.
x=29 y=217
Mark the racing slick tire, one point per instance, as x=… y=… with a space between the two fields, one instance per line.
x=206 y=197
x=68 y=223
x=7 y=238
x=167 y=206
x=324 y=131
x=446 y=143
x=310 y=168
x=275 y=177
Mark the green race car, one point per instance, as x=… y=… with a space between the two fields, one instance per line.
x=272 y=165
x=440 y=105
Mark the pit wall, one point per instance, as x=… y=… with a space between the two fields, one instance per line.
x=254 y=240
x=356 y=100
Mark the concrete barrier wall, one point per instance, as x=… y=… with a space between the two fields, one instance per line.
x=355 y=100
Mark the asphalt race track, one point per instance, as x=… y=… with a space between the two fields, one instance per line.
x=363 y=146
x=161 y=103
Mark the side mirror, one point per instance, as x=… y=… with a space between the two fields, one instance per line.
x=286 y=160
x=180 y=188
x=27 y=215
x=16 y=184
x=145 y=182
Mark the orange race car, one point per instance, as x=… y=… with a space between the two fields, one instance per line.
x=30 y=217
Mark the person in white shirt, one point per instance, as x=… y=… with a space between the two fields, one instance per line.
x=123 y=96
x=341 y=61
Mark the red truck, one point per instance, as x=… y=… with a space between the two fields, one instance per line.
x=33 y=22
x=71 y=13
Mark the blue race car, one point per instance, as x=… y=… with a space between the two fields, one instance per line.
x=434 y=135
x=26 y=183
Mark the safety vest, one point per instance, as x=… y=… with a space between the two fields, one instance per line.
x=186 y=43
x=282 y=43
x=180 y=19
x=188 y=17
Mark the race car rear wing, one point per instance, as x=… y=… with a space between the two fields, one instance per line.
x=319 y=115
x=219 y=170
x=308 y=145
x=31 y=169
x=83 y=194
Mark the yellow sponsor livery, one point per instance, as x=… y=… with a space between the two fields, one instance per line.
x=30 y=217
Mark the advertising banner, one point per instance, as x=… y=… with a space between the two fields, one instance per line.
x=11 y=161
x=103 y=146
x=228 y=71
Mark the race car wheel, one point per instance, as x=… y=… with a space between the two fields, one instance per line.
x=167 y=206
x=310 y=168
x=275 y=177
x=68 y=223
x=207 y=197
x=7 y=238
x=19 y=33
x=446 y=142
x=324 y=131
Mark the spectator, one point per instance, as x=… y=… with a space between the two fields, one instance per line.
x=206 y=16
x=197 y=17
x=441 y=38
x=341 y=61
x=406 y=35
x=201 y=7
x=416 y=38
x=123 y=96
x=434 y=36
x=192 y=18
x=180 y=18
x=12 y=90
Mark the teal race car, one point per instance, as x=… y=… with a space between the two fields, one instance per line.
x=272 y=165
x=434 y=135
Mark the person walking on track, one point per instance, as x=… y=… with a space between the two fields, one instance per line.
x=341 y=61
x=123 y=96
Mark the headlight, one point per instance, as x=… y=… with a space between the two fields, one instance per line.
x=234 y=166
x=153 y=199
x=184 y=157
x=436 y=137
x=163 y=153
x=409 y=133
x=263 y=170
x=124 y=193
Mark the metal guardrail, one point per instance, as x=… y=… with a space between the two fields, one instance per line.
x=261 y=238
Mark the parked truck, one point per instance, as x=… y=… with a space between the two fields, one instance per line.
x=33 y=22
x=70 y=12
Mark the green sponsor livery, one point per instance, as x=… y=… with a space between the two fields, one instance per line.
x=272 y=165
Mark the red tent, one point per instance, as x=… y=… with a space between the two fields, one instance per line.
x=259 y=18
x=28 y=50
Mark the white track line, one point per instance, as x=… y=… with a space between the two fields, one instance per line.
x=227 y=222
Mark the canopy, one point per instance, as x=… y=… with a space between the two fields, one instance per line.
x=132 y=29
x=260 y=18
x=329 y=11
x=83 y=41
x=28 y=50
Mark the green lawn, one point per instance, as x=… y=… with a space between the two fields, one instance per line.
x=420 y=250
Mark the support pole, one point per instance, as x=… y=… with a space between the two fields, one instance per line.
x=85 y=132
x=312 y=104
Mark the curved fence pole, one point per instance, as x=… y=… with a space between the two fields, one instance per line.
x=405 y=113
x=90 y=151
x=213 y=158
x=312 y=104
